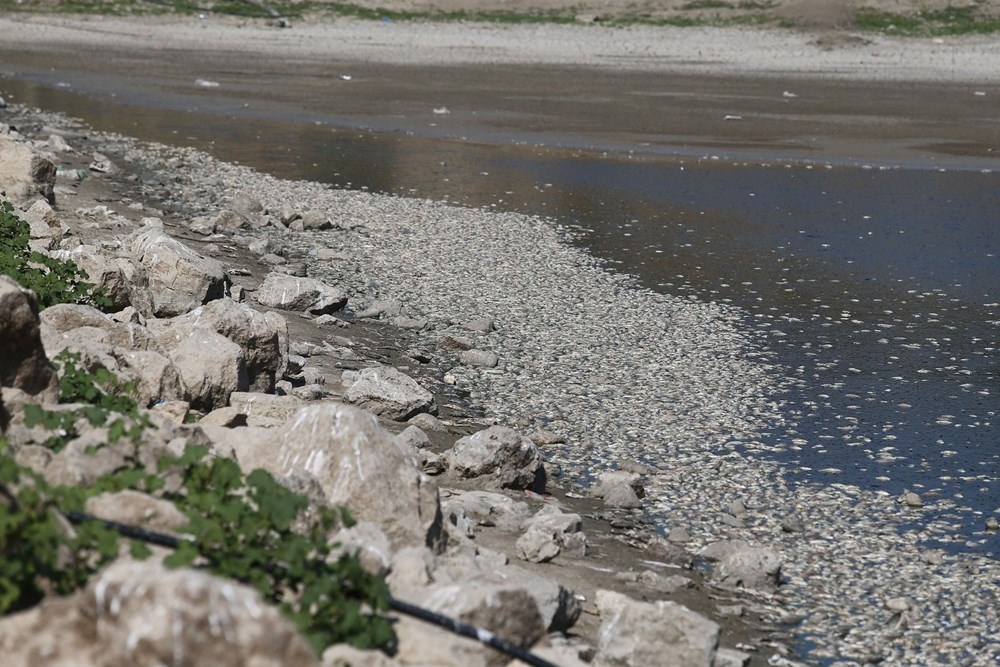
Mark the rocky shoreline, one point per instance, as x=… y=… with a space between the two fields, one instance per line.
x=621 y=391
x=162 y=241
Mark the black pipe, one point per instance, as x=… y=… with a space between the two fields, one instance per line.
x=472 y=632
x=456 y=626
x=125 y=530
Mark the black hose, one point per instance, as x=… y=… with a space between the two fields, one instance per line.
x=472 y=632
x=456 y=626
x=125 y=530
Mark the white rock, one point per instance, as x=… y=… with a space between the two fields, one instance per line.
x=281 y=290
x=388 y=393
x=180 y=279
x=357 y=464
x=498 y=456
x=637 y=634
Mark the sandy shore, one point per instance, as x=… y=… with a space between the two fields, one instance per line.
x=674 y=379
x=712 y=51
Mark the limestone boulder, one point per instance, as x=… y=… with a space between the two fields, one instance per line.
x=383 y=308
x=728 y=657
x=227 y=417
x=557 y=605
x=287 y=292
x=622 y=496
x=368 y=543
x=44 y=224
x=65 y=324
x=143 y=614
x=262 y=337
x=269 y=407
x=211 y=368
x=414 y=437
x=84 y=459
x=90 y=344
x=637 y=634
x=315 y=219
x=387 y=392
x=499 y=457
x=619 y=488
x=358 y=464
x=345 y=655
x=247 y=204
x=65 y=317
x=156 y=377
x=428 y=423
x=127 y=349
x=231 y=220
x=479 y=358
x=25 y=175
x=180 y=279
x=23 y=364
x=550 y=533
x=122 y=279
x=489 y=508
x=410 y=568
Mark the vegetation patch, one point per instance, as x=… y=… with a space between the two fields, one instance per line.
x=965 y=20
x=245 y=527
x=958 y=20
x=53 y=280
x=240 y=527
x=107 y=402
x=740 y=12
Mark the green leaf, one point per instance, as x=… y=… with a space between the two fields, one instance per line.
x=183 y=556
x=95 y=415
x=53 y=281
x=35 y=415
x=192 y=454
x=139 y=550
x=277 y=504
x=116 y=430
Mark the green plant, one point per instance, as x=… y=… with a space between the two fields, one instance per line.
x=53 y=280
x=247 y=528
x=963 y=20
x=707 y=4
x=39 y=556
x=102 y=388
x=104 y=396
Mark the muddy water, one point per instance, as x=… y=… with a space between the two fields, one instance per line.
x=877 y=286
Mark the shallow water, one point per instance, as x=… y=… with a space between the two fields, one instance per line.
x=877 y=286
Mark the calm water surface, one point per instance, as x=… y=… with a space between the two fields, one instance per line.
x=877 y=287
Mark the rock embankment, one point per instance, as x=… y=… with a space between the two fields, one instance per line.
x=231 y=344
